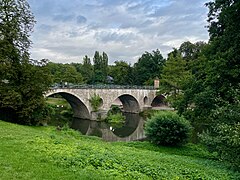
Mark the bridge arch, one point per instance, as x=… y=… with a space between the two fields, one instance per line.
x=130 y=103
x=159 y=101
x=80 y=110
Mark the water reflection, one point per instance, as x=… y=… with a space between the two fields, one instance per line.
x=131 y=130
x=129 y=127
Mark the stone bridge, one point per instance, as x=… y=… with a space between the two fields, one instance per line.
x=131 y=100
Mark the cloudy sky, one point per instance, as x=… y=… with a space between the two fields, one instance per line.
x=66 y=30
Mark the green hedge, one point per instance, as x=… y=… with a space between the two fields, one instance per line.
x=167 y=128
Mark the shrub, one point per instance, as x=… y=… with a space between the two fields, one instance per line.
x=225 y=140
x=95 y=102
x=167 y=128
x=114 y=110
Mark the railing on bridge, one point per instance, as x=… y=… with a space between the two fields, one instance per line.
x=99 y=86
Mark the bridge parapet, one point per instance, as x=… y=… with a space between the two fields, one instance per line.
x=99 y=86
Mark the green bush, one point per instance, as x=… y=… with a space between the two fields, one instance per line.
x=225 y=140
x=95 y=102
x=114 y=110
x=167 y=128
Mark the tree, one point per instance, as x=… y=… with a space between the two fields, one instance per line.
x=64 y=73
x=217 y=79
x=22 y=81
x=213 y=94
x=87 y=70
x=148 y=67
x=100 y=64
x=173 y=77
x=121 y=73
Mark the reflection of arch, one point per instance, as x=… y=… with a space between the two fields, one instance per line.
x=79 y=108
x=81 y=125
x=129 y=127
x=159 y=101
x=130 y=103
x=145 y=100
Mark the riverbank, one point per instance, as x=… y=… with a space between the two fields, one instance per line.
x=49 y=153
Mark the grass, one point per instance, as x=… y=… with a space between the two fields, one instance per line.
x=46 y=153
x=57 y=101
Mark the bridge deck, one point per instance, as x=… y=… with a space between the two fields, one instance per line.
x=99 y=86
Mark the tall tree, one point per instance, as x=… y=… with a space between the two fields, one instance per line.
x=213 y=95
x=148 y=67
x=65 y=73
x=218 y=77
x=174 y=76
x=22 y=81
x=191 y=51
x=100 y=64
x=87 y=70
x=121 y=73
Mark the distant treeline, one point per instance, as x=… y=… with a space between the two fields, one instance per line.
x=97 y=70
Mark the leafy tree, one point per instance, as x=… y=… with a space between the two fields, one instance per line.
x=87 y=70
x=213 y=94
x=121 y=73
x=64 y=73
x=70 y=74
x=173 y=78
x=148 y=67
x=22 y=81
x=216 y=83
x=100 y=64
x=191 y=51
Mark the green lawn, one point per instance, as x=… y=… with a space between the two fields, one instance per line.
x=57 y=101
x=46 y=153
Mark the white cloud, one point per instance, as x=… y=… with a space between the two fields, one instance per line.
x=65 y=32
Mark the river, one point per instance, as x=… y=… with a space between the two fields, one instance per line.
x=132 y=129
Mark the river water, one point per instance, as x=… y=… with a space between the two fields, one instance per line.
x=132 y=129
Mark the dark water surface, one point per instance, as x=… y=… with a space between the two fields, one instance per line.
x=131 y=130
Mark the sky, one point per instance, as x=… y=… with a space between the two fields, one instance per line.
x=67 y=30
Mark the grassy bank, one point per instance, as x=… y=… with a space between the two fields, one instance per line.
x=47 y=153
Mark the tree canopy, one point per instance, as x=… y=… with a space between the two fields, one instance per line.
x=22 y=81
x=148 y=67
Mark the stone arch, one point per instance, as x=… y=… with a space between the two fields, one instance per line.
x=130 y=103
x=159 y=101
x=80 y=110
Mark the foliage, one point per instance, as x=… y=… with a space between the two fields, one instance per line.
x=121 y=73
x=191 y=51
x=22 y=81
x=212 y=94
x=67 y=156
x=95 y=101
x=114 y=109
x=64 y=73
x=87 y=70
x=167 y=128
x=148 y=113
x=174 y=75
x=60 y=112
x=226 y=141
x=148 y=67
x=100 y=64
x=115 y=120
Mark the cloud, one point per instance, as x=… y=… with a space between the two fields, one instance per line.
x=63 y=17
x=124 y=29
x=81 y=19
